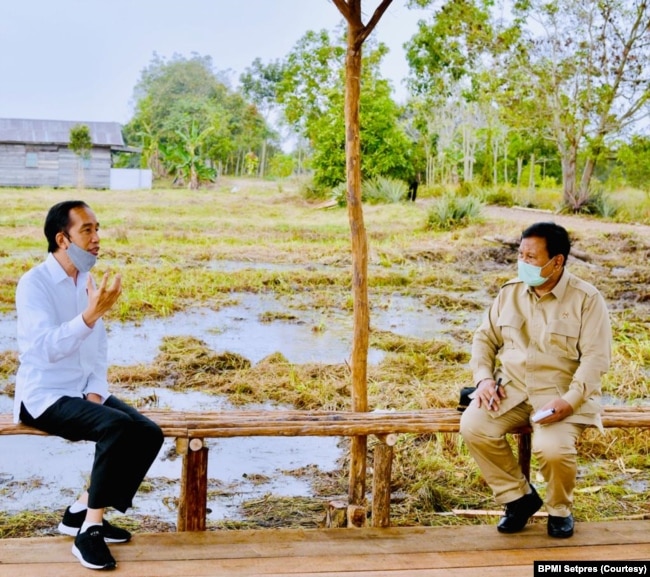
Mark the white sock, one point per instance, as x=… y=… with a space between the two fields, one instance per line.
x=77 y=506
x=87 y=525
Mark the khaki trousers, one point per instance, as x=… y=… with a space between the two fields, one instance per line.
x=554 y=446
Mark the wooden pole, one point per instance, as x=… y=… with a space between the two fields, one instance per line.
x=357 y=482
x=524 y=453
x=192 y=507
x=383 y=465
x=357 y=34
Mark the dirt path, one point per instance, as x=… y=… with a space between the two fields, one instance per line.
x=527 y=216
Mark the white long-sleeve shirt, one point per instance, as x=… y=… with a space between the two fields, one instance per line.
x=59 y=354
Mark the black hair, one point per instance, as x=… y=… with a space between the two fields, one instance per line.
x=58 y=220
x=556 y=236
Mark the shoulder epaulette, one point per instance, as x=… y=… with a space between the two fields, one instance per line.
x=583 y=285
x=515 y=280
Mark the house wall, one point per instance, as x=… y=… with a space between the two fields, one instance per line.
x=53 y=166
x=131 y=179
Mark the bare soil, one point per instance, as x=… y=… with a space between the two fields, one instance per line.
x=526 y=216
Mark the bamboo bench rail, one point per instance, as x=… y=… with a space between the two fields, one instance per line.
x=190 y=428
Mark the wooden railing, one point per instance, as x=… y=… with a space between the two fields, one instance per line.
x=190 y=429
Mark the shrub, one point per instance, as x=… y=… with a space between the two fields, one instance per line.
x=432 y=191
x=309 y=191
x=383 y=190
x=466 y=188
x=374 y=191
x=592 y=202
x=499 y=197
x=281 y=166
x=340 y=193
x=451 y=212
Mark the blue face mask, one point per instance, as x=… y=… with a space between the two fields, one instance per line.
x=81 y=259
x=531 y=274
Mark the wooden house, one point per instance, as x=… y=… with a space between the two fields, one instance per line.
x=35 y=153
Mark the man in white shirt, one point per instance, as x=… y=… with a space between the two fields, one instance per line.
x=61 y=383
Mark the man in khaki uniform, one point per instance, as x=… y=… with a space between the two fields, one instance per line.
x=544 y=345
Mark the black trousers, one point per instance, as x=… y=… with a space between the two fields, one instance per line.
x=126 y=444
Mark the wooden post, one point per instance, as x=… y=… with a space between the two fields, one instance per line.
x=192 y=508
x=357 y=34
x=524 y=453
x=359 y=445
x=336 y=515
x=356 y=516
x=383 y=459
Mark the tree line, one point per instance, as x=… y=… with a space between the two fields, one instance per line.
x=541 y=92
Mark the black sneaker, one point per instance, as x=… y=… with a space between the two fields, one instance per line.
x=91 y=549
x=518 y=512
x=72 y=522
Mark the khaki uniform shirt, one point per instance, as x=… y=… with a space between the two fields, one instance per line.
x=556 y=345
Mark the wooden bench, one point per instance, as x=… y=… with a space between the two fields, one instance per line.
x=190 y=429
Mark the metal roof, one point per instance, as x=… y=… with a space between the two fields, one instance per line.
x=25 y=131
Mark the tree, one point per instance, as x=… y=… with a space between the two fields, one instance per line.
x=81 y=144
x=634 y=157
x=587 y=62
x=357 y=34
x=185 y=156
x=312 y=95
x=453 y=59
x=177 y=100
x=260 y=84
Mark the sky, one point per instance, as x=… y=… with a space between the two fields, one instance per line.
x=81 y=59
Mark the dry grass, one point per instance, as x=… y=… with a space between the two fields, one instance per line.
x=170 y=246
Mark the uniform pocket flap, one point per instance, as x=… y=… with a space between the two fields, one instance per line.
x=564 y=328
x=510 y=320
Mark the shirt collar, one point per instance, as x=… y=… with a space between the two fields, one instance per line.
x=559 y=289
x=55 y=269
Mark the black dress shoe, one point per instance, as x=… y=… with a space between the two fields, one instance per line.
x=518 y=512
x=560 y=527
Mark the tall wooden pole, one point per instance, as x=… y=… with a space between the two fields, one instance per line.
x=357 y=33
x=359 y=359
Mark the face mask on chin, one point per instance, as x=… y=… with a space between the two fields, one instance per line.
x=531 y=274
x=80 y=258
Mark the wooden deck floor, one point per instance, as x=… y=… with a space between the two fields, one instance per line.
x=393 y=552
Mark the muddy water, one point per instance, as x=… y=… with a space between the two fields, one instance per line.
x=37 y=472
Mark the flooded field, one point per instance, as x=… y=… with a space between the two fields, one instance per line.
x=261 y=280
x=38 y=473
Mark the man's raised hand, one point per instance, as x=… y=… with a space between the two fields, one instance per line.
x=102 y=298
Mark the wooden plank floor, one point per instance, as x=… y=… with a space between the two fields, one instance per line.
x=393 y=552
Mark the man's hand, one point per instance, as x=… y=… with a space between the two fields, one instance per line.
x=102 y=298
x=488 y=394
x=561 y=410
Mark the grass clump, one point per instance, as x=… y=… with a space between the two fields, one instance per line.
x=450 y=212
x=29 y=524
x=378 y=190
x=383 y=190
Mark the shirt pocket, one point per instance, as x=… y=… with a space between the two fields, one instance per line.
x=563 y=338
x=510 y=325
